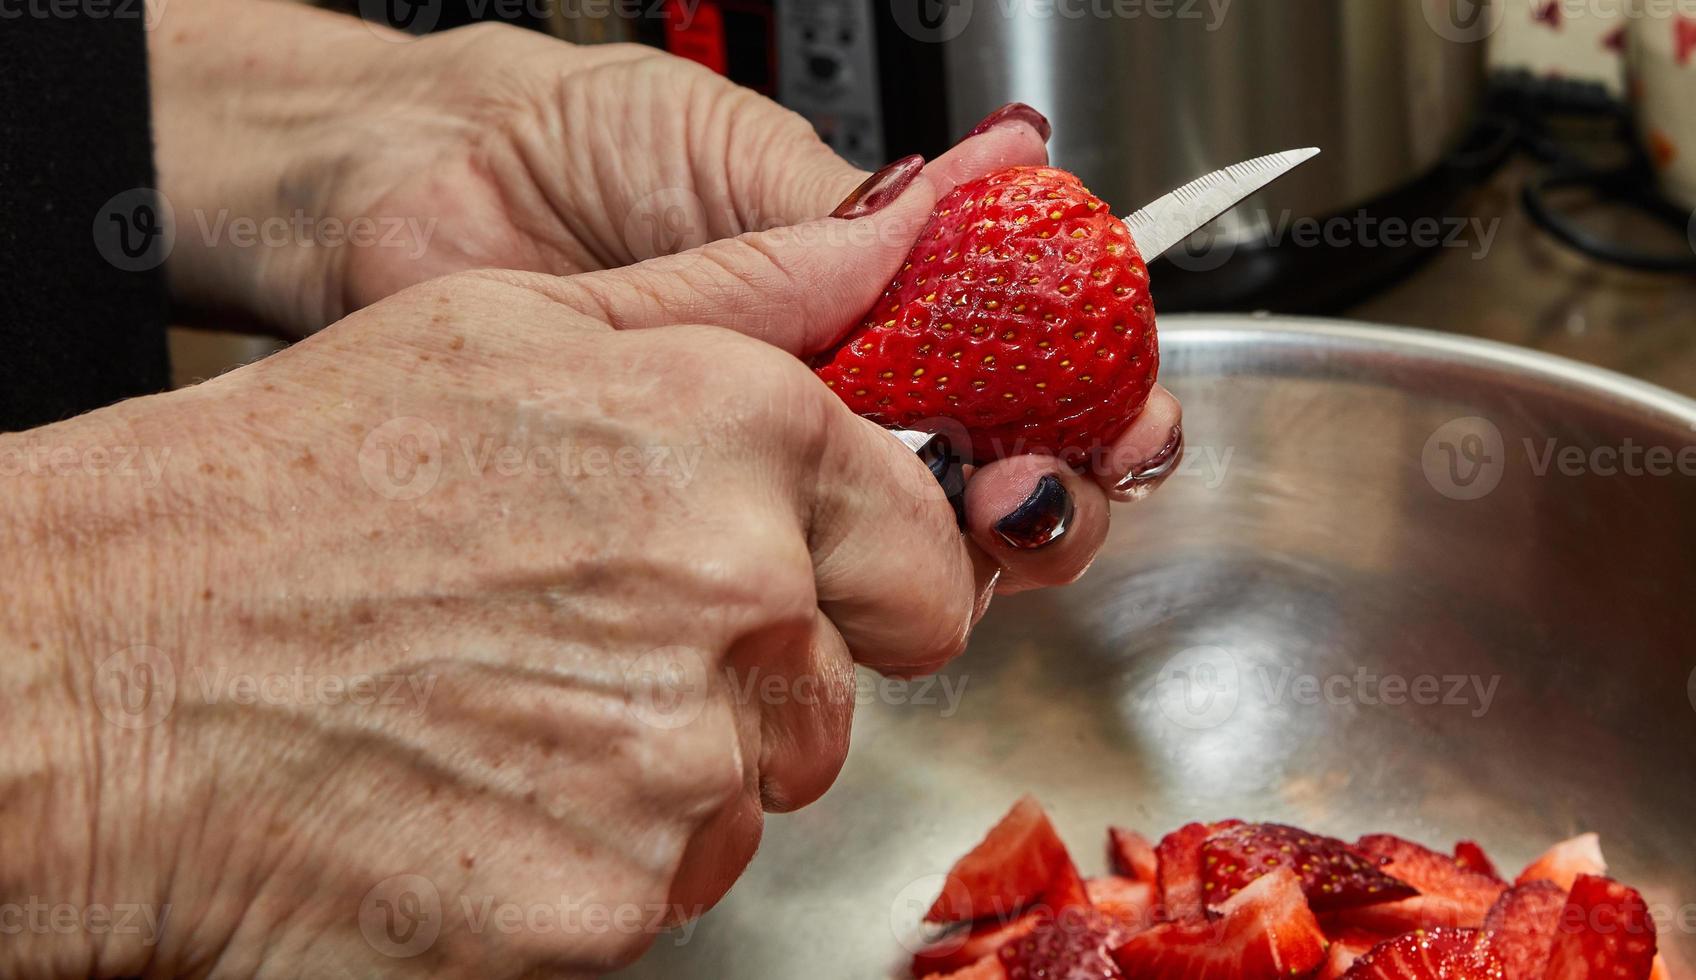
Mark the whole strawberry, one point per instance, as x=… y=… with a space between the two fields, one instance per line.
x=1022 y=314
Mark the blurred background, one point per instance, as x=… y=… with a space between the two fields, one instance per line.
x=1521 y=170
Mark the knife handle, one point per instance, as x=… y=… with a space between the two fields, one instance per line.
x=937 y=452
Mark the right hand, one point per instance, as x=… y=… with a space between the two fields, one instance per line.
x=561 y=541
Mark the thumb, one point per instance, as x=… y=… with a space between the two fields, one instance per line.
x=798 y=287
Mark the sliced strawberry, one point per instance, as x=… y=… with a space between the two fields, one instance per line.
x=1347 y=945
x=1332 y=875
x=1449 y=895
x=1179 y=859
x=1130 y=904
x=1470 y=855
x=1131 y=854
x=965 y=945
x=988 y=968
x=1263 y=932
x=1429 y=954
x=1561 y=864
x=1020 y=862
x=1072 y=945
x=1605 y=933
x=1520 y=926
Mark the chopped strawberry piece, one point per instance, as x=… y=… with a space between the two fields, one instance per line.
x=1130 y=904
x=1347 y=945
x=1520 y=926
x=964 y=945
x=1179 y=859
x=1131 y=854
x=988 y=968
x=1263 y=932
x=1471 y=856
x=1563 y=863
x=1429 y=954
x=1072 y=945
x=1605 y=932
x=1332 y=875
x=1449 y=895
x=1020 y=862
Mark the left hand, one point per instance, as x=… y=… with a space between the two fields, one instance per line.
x=483 y=147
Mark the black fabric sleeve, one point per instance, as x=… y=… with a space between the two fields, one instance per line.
x=82 y=297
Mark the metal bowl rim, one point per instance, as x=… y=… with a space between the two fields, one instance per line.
x=1360 y=337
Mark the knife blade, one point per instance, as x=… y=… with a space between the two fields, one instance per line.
x=1180 y=214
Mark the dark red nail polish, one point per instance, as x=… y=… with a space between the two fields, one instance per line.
x=1014 y=112
x=880 y=188
x=1041 y=519
x=1153 y=471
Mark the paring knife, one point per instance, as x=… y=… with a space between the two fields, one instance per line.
x=1155 y=229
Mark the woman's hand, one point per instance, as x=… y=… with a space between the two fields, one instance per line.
x=487 y=147
x=426 y=647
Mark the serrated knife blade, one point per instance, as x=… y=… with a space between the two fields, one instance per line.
x=1178 y=215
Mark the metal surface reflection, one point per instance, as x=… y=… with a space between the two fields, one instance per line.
x=1320 y=619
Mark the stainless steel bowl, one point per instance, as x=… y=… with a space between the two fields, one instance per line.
x=1359 y=504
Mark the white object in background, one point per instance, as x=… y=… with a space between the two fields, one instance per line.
x=1576 y=39
x=1661 y=79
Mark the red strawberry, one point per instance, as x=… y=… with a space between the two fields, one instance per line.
x=1605 y=933
x=1561 y=864
x=1022 y=314
x=1521 y=925
x=1179 y=859
x=988 y=968
x=1129 y=903
x=1347 y=945
x=1072 y=945
x=1471 y=856
x=965 y=945
x=1333 y=876
x=1131 y=854
x=1429 y=954
x=1449 y=895
x=1021 y=861
x=1263 y=932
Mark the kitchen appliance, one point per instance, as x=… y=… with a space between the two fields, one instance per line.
x=1357 y=504
x=1144 y=94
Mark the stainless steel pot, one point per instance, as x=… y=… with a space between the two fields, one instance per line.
x=1147 y=94
x=1361 y=509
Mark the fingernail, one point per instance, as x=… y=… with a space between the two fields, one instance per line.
x=1152 y=472
x=1014 y=112
x=878 y=190
x=1040 y=519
